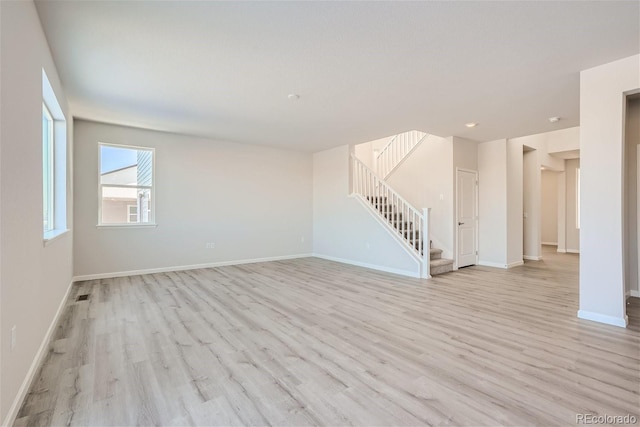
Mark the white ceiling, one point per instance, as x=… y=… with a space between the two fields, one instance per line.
x=363 y=70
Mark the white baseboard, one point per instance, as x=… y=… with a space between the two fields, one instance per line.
x=562 y=251
x=603 y=318
x=573 y=251
x=185 y=267
x=549 y=243
x=401 y=272
x=35 y=364
x=531 y=257
x=491 y=264
x=498 y=265
x=635 y=293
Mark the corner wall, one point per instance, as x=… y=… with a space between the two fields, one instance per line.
x=423 y=179
x=603 y=92
x=34 y=278
x=343 y=228
x=492 y=202
x=252 y=202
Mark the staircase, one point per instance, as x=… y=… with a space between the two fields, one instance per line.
x=437 y=264
x=396 y=150
x=410 y=226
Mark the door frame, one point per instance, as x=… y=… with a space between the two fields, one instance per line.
x=456 y=219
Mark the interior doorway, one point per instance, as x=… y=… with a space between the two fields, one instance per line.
x=631 y=200
x=466 y=217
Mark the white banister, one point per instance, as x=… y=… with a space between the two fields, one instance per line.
x=393 y=209
x=396 y=150
x=426 y=243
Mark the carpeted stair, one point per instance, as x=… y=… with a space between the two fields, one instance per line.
x=438 y=265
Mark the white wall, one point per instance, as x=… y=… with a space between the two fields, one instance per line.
x=515 y=202
x=252 y=202
x=343 y=228
x=562 y=140
x=549 y=207
x=492 y=201
x=562 y=211
x=571 y=229
x=367 y=150
x=602 y=91
x=424 y=180
x=532 y=228
x=33 y=278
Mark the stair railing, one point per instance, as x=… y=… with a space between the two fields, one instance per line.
x=396 y=150
x=411 y=225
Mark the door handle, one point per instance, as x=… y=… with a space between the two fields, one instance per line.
x=460 y=223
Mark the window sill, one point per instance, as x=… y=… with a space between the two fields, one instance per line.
x=126 y=225
x=52 y=235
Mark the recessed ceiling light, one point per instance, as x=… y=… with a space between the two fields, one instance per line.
x=554 y=119
x=471 y=124
x=293 y=96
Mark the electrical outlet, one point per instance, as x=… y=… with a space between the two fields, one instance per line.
x=210 y=245
x=13 y=336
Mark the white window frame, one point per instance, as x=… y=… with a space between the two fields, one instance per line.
x=151 y=188
x=57 y=156
x=48 y=177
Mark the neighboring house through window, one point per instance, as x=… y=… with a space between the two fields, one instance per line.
x=126 y=185
x=54 y=164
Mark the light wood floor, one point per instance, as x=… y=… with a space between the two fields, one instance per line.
x=313 y=342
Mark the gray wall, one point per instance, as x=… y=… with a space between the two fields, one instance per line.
x=251 y=202
x=33 y=278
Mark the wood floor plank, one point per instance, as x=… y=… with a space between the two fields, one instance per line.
x=313 y=342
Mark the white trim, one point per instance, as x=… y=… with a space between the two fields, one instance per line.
x=532 y=257
x=549 y=243
x=573 y=251
x=52 y=235
x=185 y=267
x=562 y=251
x=491 y=264
x=621 y=322
x=635 y=293
x=371 y=266
x=498 y=265
x=128 y=225
x=35 y=364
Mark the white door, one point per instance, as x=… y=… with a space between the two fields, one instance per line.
x=467 y=216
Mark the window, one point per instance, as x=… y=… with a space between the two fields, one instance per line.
x=133 y=213
x=577 y=197
x=54 y=164
x=47 y=169
x=126 y=185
